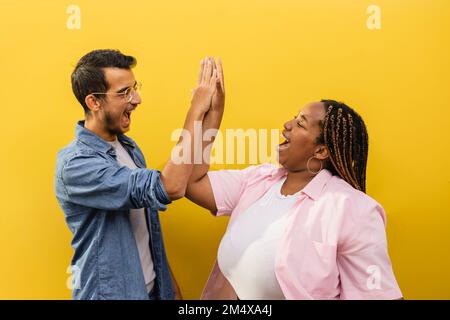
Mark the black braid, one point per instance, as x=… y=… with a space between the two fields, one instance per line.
x=345 y=135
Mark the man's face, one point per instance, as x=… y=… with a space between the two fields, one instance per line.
x=115 y=109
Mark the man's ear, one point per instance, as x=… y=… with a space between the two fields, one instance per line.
x=321 y=152
x=92 y=103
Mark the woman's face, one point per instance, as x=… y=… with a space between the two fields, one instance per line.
x=301 y=134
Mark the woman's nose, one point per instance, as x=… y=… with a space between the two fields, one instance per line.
x=288 y=125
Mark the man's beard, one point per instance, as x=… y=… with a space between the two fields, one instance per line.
x=111 y=125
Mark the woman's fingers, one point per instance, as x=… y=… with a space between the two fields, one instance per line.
x=220 y=74
x=215 y=73
x=213 y=79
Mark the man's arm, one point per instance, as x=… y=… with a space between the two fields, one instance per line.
x=175 y=176
x=199 y=188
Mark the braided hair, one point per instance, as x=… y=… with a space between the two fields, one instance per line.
x=345 y=135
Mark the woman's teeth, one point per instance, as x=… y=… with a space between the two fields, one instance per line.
x=284 y=145
x=284 y=137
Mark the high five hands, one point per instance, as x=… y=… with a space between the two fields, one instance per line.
x=209 y=95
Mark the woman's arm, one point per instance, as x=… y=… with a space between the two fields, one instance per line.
x=200 y=192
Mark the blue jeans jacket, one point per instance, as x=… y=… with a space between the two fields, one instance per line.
x=96 y=194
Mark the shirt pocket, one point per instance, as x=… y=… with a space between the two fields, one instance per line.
x=319 y=272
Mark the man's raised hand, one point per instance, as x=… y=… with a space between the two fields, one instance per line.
x=206 y=86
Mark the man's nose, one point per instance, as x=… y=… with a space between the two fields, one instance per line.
x=136 y=98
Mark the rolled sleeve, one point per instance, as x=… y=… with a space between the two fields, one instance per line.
x=227 y=187
x=92 y=181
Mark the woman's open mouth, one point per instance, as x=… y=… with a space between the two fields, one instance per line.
x=285 y=144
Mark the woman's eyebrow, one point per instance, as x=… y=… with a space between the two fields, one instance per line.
x=303 y=117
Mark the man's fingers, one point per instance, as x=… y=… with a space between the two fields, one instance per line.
x=207 y=74
x=200 y=72
x=205 y=67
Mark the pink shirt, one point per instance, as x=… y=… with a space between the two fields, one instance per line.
x=334 y=244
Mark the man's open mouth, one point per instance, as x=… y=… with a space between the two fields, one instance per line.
x=127 y=117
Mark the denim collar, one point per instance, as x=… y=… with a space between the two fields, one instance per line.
x=91 y=139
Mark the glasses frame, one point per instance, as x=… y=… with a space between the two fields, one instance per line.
x=130 y=91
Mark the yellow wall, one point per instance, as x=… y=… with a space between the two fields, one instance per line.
x=278 y=55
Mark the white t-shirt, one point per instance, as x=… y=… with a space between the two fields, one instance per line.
x=138 y=223
x=247 y=251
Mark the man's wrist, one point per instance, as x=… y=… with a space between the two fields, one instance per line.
x=196 y=113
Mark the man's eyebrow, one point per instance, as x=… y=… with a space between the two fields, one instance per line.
x=125 y=88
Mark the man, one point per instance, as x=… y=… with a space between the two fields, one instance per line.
x=110 y=200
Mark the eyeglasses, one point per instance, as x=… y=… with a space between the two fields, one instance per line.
x=128 y=94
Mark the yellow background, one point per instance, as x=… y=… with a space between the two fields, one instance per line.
x=277 y=55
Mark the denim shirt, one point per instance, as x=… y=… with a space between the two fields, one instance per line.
x=96 y=194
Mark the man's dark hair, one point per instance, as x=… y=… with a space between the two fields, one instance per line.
x=88 y=76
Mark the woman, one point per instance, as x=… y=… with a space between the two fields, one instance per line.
x=306 y=230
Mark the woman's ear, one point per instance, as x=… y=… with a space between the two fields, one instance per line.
x=321 y=152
